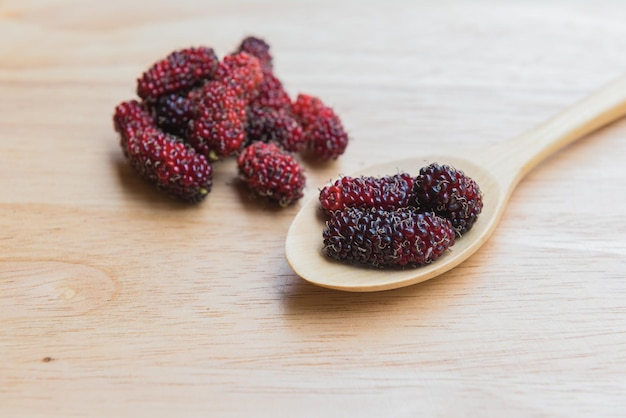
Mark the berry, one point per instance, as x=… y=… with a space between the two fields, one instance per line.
x=258 y=48
x=131 y=116
x=179 y=71
x=387 y=193
x=326 y=138
x=323 y=130
x=266 y=124
x=167 y=162
x=173 y=113
x=382 y=238
x=270 y=171
x=242 y=72
x=217 y=130
x=272 y=93
x=308 y=108
x=449 y=193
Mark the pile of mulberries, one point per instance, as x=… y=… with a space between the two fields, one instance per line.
x=399 y=220
x=194 y=109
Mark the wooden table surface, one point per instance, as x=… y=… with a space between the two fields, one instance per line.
x=118 y=301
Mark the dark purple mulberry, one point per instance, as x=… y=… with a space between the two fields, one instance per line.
x=380 y=238
x=173 y=112
x=449 y=193
x=271 y=125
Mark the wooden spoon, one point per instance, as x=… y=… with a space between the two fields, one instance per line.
x=497 y=169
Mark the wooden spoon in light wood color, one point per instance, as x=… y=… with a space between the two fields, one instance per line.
x=497 y=170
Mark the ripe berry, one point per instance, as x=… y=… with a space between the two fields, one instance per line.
x=323 y=131
x=326 y=138
x=179 y=71
x=258 y=48
x=217 y=130
x=449 y=193
x=167 y=162
x=272 y=93
x=242 y=72
x=266 y=124
x=173 y=112
x=388 y=193
x=382 y=238
x=272 y=172
x=131 y=116
x=307 y=108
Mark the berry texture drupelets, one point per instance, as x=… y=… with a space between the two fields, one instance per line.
x=217 y=130
x=308 y=108
x=258 y=48
x=194 y=109
x=324 y=133
x=161 y=159
x=449 y=193
x=178 y=72
x=130 y=117
x=271 y=172
x=168 y=163
x=379 y=238
x=173 y=112
x=241 y=72
x=272 y=94
x=388 y=193
x=265 y=124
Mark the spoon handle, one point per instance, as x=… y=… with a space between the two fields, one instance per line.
x=518 y=156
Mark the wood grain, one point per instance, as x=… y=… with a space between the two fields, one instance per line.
x=115 y=300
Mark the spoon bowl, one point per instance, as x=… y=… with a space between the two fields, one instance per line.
x=496 y=169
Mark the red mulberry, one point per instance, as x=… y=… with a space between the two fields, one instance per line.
x=179 y=71
x=323 y=131
x=165 y=161
x=217 y=130
x=258 y=48
x=382 y=238
x=450 y=194
x=272 y=94
x=271 y=125
x=388 y=193
x=272 y=172
x=130 y=117
x=242 y=72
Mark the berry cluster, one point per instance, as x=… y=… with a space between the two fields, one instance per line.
x=398 y=220
x=195 y=109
